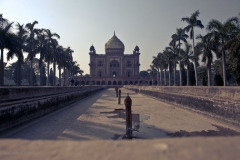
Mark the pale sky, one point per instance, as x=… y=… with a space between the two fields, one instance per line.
x=146 y=23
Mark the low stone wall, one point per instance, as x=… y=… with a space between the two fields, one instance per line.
x=17 y=113
x=15 y=93
x=219 y=102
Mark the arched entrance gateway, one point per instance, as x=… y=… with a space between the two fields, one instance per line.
x=114 y=67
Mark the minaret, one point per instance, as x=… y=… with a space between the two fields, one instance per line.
x=92 y=54
x=136 y=54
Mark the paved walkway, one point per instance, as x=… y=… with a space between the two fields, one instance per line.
x=66 y=133
x=99 y=117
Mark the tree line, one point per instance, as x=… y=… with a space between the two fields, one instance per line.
x=221 y=40
x=27 y=38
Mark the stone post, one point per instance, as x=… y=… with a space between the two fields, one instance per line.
x=128 y=105
x=116 y=89
x=119 y=96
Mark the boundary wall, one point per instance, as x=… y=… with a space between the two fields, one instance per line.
x=217 y=102
x=19 y=93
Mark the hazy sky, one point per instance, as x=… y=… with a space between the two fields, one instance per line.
x=146 y=23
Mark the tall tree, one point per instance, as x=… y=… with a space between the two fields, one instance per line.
x=193 y=22
x=70 y=52
x=53 y=43
x=206 y=48
x=3 y=21
x=42 y=49
x=65 y=65
x=192 y=80
x=6 y=39
x=159 y=63
x=156 y=64
x=221 y=33
x=180 y=36
x=68 y=66
x=152 y=72
x=19 y=46
x=31 y=46
x=168 y=56
x=233 y=44
x=60 y=58
x=186 y=55
x=76 y=69
x=233 y=47
x=202 y=74
x=173 y=49
x=48 y=57
x=184 y=76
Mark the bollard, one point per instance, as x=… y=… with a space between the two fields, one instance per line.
x=116 y=89
x=119 y=96
x=128 y=105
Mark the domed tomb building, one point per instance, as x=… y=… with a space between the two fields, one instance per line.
x=114 y=67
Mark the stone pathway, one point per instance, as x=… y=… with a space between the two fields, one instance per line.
x=99 y=117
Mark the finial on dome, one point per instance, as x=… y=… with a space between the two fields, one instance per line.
x=114 y=32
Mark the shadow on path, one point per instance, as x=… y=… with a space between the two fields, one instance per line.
x=221 y=131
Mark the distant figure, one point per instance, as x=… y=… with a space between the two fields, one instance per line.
x=72 y=82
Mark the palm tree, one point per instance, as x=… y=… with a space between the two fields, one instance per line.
x=55 y=46
x=180 y=36
x=173 y=48
x=168 y=56
x=53 y=42
x=48 y=57
x=152 y=71
x=59 y=59
x=193 y=22
x=71 y=65
x=3 y=21
x=233 y=44
x=221 y=32
x=206 y=47
x=187 y=55
x=155 y=63
x=19 y=47
x=233 y=47
x=6 y=39
x=159 y=63
x=31 y=46
x=76 y=69
x=69 y=68
x=165 y=67
x=65 y=64
x=43 y=50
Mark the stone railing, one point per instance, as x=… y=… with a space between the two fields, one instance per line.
x=218 y=102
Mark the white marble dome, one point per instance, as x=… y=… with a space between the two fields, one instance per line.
x=114 y=45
